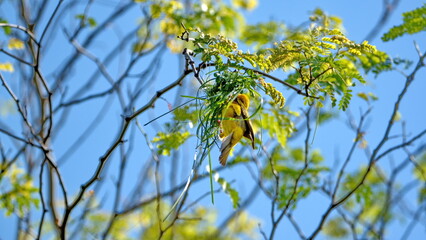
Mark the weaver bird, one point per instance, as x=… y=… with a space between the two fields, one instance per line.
x=235 y=126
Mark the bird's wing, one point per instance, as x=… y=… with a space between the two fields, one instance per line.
x=248 y=133
x=225 y=148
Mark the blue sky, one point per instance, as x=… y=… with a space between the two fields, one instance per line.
x=333 y=138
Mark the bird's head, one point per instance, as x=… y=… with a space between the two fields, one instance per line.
x=243 y=100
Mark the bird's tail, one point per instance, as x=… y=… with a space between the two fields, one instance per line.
x=225 y=149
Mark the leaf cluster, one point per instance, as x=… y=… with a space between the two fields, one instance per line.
x=229 y=190
x=177 y=132
x=166 y=141
x=277 y=123
x=197 y=223
x=367 y=203
x=296 y=180
x=321 y=62
x=413 y=22
x=17 y=191
x=324 y=63
x=215 y=17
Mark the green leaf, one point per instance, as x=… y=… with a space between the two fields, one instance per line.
x=297 y=154
x=245 y=4
x=316 y=157
x=261 y=34
x=80 y=16
x=169 y=141
x=363 y=96
x=231 y=192
x=420 y=168
x=86 y=20
x=373 y=96
x=185 y=113
x=335 y=228
x=413 y=22
x=345 y=100
x=7 y=30
x=397 y=117
x=92 y=22
x=325 y=116
x=277 y=123
x=18 y=193
x=421 y=195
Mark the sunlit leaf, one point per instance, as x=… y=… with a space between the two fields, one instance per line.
x=230 y=191
x=92 y=22
x=18 y=193
x=169 y=141
x=15 y=43
x=7 y=67
x=245 y=4
x=7 y=30
x=413 y=22
x=335 y=228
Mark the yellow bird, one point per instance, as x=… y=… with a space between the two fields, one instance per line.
x=235 y=126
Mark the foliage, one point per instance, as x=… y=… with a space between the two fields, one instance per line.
x=335 y=228
x=196 y=224
x=323 y=62
x=86 y=20
x=413 y=22
x=7 y=67
x=169 y=141
x=296 y=180
x=261 y=34
x=299 y=79
x=209 y=16
x=15 y=43
x=245 y=4
x=178 y=132
x=420 y=170
x=420 y=174
x=17 y=191
x=7 y=30
x=229 y=190
x=369 y=203
x=277 y=123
